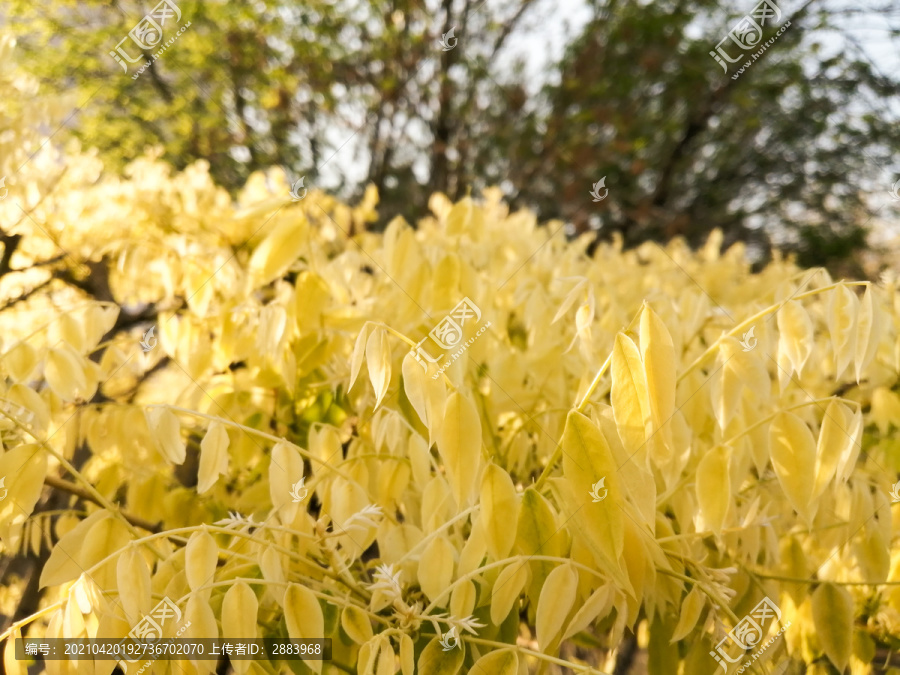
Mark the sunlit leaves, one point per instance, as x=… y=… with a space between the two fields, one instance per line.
x=213 y=456
x=460 y=446
x=586 y=460
x=166 y=431
x=303 y=616
x=556 y=601
x=832 y=610
x=279 y=249
x=793 y=450
x=500 y=511
x=23 y=469
x=714 y=488
x=518 y=486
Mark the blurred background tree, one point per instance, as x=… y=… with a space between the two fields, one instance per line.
x=797 y=151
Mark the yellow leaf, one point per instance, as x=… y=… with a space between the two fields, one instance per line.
x=460 y=447
x=586 y=461
x=714 y=487
x=303 y=616
x=598 y=605
x=239 y=614
x=428 y=396
x=385 y=659
x=658 y=353
x=499 y=662
x=462 y=599
x=12 y=665
x=166 y=432
x=356 y=624
x=213 y=456
x=278 y=250
x=105 y=538
x=832 y=611
x=629 y=397
x=21 y=361
x=310 y=300
x=793 y=451
x=66 y=559
x=133 y=578
x=239 y=611
x=359 y=352
x=407 y=655
x=436 y=568
x=843 y=308
x=507 y=589
x=499 y=511
x=689 y=614
x=637 y=482
x=435 y=661
x=200 y=623
x=65 y=374
x=795 y=340
x=419 y=460
x=285 y=471
x=23 y=470
x=556 y=601
x=834 y=437
x=870 y=328
x=538 y=534
x=201 y=557
x=847 y=462
x=378 y=359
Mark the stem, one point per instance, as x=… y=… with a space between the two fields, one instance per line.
x=531 y=652
x=408 y=341
x=97 y=498
x=596 y=381
x=447 y=525
x=28 y=619
x=747 y=322
x=703 y=587
x=263 y=434
x=508 y=561
x=336 y=600
x=796 y=580
x=71 y=488
x=775 y=414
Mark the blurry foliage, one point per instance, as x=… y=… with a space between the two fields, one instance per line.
x=640 y=446
x=784 y=151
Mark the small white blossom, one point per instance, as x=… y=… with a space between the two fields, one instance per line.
x=387 y=581
x=364 y=519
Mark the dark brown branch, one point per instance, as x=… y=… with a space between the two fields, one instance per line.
x=80 y=492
